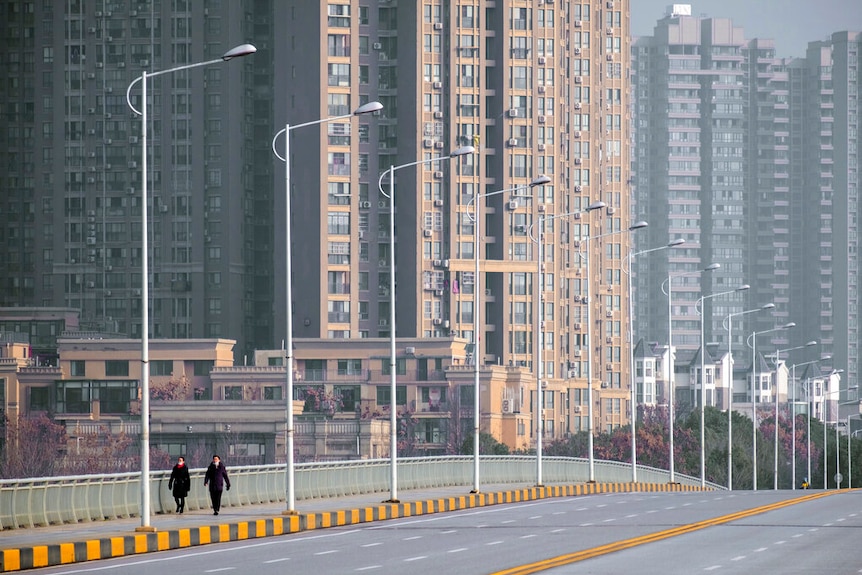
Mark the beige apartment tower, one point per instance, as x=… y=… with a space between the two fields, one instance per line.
x=538 y=87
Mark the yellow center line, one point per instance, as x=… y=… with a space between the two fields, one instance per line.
x=652 y=537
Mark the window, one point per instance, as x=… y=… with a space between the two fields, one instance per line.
x=117 y=368
x=77 y=368
x=338 y=223
x=203 y=367
x=349 y=367
x=273 y=392
x=40 y=399
x=384 y=395
x=161 y=367
x=233 y=392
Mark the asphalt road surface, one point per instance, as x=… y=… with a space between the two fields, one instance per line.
x=763 y=532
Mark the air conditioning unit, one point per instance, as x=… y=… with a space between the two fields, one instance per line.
x=438 y=25
x=382 y=322
x=513 y=113
x=133 y=139
x=488 y=293
x=542 y=60
x=541 y=147
x=611 y=210
x=577 y=409
x=410 y=350
x=513 y=204
x=609 y=313
x=145 y=63
x=577 y=215
x=382 y=204
x=577 y=51
x=577 y=353
x=91 y=241
x=541 y=89
x=377 y=46
x=541 y=119
x=609 y=57
x=571 y=373
x=576 y=134
x=609 y=366
x=364 y=205
x=609 y=339
x=91 y=284
x=610 y=4
x=579 y=188
x=512 y=142
x=437 y=85
x=576 y=298
x=428 y=142
x=438 y=145
x=163 y=208
x=438 y=292
x=99 y=65
x=507 y=406
x=427 y=233
x=577 y=161
x=91 y=76
x=437 y=321
x=444 y=263
x=119 y=64
x=609 y=31
x=437 y=263
x=521 y=228
x=137 y=292
x=109 y=293
x=133 y=164
x=578 y=80
x=438 y=175
x=577 y=105
x=438 y=115
x=438 y=203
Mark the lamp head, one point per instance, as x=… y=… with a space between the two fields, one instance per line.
x=788 y=325
x=711 y=267
x=810 y=343
x=540 y=181
x=462 y=151
x=367 y=108
x=676 y=242
x=596 y=206
x=239 y=52
x=743 y=287
x=638 y=225
x=770 y=305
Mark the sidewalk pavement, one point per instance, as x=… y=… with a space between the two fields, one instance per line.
x=22 y=549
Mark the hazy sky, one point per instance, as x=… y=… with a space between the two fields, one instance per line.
x=791 y=23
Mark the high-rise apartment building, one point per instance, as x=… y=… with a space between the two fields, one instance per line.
x=694 y=83
x=71 y=184
x=538 y=88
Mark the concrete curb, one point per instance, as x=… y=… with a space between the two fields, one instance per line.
x=36 y=556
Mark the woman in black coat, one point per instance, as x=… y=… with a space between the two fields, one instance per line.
x=180 y=483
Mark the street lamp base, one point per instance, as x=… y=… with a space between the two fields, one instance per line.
x=145 y=529
x=392 y=501
x=289 y=512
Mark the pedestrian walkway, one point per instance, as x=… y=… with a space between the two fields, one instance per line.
x=22 y=549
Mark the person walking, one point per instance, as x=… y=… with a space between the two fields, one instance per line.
x=180 y=483
x=217 y=479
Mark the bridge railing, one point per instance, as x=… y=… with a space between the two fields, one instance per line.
x=26 y=503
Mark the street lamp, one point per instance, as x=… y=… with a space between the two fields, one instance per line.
x=631 y=256
x=755 y=387
x=288 y=290
x=775 y=390
x=538 y=335
x=393 y=420
x=239 y=51
x=824 y=415
x=808 y=413
x=540 y=181
x=701 y=303
x=670 y=358
x=635 y=226
x=730 y=317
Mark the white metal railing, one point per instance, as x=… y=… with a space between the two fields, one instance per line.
x=27 y=503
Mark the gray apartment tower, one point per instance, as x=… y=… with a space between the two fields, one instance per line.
x=753 y=159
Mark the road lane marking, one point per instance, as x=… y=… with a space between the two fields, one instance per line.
x=371 y=544
x=329 y=552
x=415 y=558
x=277 y=560
x=457 y=550
x=369 y=567
x=412 y=538
x=738 y=558
x=684 y=529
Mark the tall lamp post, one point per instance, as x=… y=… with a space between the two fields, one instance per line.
x=730 y=317
x=635 y=226
x=239 y=51
x=793 y=420
x=775 y=389
x=824 y=415
x=393 y=419
x=701 y=303
x=288 y=290
x=755 y=387
x=670 y=357
x=540 y=181
x=539 y=239
x=632 y=382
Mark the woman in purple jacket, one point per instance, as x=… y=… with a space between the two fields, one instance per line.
x=217 y=480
